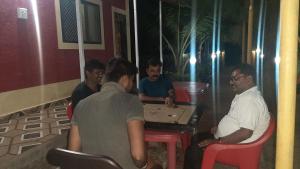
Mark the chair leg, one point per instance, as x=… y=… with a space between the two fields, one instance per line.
x=185 y=138
x=171 y=155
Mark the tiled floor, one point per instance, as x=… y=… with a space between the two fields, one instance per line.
x=24 y=130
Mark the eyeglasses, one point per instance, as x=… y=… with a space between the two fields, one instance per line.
x=99 y=72
x=236 y=78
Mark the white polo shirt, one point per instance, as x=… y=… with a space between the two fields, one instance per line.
x=247 y=110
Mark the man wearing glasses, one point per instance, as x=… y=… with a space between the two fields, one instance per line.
x=93 y=71
x=246 y=121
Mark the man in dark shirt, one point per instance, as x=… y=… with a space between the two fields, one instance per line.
x=93 y=71
x=111 y=122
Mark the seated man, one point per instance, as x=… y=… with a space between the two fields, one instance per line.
x=156 y=87
x=111 y=122
x=93 y=71
x=246 y=121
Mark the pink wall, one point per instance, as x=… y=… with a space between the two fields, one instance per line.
x=19 y=60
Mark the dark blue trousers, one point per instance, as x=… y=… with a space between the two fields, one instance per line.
x=194 y=154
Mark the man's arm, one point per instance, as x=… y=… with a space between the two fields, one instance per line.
x=171 y=95
x=143 y=97
x=137 y=144
x=237 y=136
x=74 y=139
x=75 y=98
x=233 y=138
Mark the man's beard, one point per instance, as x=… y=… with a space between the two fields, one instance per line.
x=154 y=77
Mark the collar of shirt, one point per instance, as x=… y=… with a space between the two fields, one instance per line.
x=98 y=86
x=157 y=80
x=252 y=89
x=112 y=85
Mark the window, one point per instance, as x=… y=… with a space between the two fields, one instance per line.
x=121 y=34
x=92 y=24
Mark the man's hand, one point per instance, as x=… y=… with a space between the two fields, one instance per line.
x=169 y=102
x=137 y=144
x=206 y=142
x=213 y=130
x=143 y=97
x=171 y=93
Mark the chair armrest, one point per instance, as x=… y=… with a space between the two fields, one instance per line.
x=223 y=146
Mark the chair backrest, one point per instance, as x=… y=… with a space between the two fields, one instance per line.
x=70 y=111
x=67 y=159
x=267 y=134
x=182 y=95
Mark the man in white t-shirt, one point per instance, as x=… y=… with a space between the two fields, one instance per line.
x=246 y=121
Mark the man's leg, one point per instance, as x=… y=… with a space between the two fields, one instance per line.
x=193 y=157
x=194 y=154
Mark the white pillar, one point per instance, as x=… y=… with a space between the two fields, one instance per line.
x=136 y=42
x=80 y=40
x=289 y=13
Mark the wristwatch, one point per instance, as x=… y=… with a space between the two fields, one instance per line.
x=145 y=166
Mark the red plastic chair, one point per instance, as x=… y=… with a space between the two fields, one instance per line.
x=182 y=95
x=169 y=137
x=165 y=137
x=244 y=156
x=70 y=111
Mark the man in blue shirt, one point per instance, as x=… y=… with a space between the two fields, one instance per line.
x=156 y=87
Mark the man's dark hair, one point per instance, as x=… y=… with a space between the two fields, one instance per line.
x=93 y=64
x=117 y=67
x=154 y=62
x=246 y=69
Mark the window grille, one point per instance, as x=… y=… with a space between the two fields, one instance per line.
x=91 y=22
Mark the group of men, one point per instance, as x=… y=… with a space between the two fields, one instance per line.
x=111 y=122
x=154 y=87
